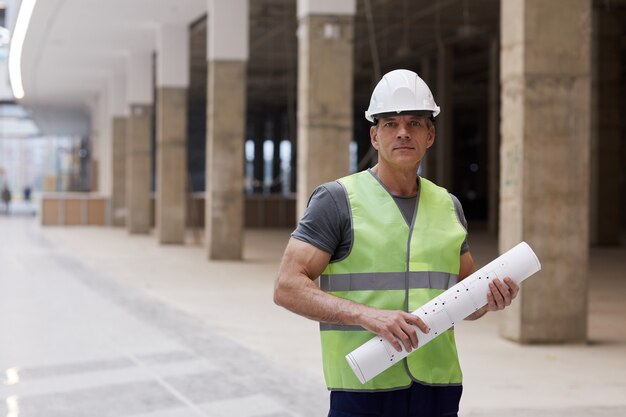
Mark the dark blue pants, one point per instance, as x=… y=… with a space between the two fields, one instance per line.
x=416 y=401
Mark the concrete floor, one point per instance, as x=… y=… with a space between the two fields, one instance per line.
x=100 y=323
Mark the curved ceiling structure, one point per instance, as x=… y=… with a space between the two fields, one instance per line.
x=73 y=47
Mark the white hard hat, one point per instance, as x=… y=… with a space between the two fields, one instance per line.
x=399 y=91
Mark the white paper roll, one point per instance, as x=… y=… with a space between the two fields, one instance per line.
x=443 y=311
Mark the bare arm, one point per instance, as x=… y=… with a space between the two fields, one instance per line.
x=295 y=290
x=499 y=295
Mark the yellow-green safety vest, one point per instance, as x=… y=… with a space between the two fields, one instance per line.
x=394 y=266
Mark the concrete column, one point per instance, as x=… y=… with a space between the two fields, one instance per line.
x=428 y=163
x=606 y=157
x=105 y=154
x=119 y=129
x=94 y=141
x=226 y=115
x=292 y=136
x=93 y=176
x=118 y=198
x=277 y=136
x=444 y=139
x=138 y=150
x=325 y=76
x=493 y=139
x=138 y=168
x=171 y=130
x=544 y=194
x=100 y=138
x=259 y=167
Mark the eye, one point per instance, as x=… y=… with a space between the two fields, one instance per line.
x=390 y=124
x=416 y=123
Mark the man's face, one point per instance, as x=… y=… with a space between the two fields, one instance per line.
x=401 y=141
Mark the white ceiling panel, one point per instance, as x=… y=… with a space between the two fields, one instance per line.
x=73 y=47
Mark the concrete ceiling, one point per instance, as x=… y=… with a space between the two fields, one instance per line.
x=74 y=47
x=404 y=32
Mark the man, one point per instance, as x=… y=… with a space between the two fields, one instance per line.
x=384 y=242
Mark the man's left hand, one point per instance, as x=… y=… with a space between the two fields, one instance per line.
x=501 y=294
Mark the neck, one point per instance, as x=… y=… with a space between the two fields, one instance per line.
x=399 y=182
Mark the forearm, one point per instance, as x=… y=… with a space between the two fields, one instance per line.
x=303 y=297
x=296 y=291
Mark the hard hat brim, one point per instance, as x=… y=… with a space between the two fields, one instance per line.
x=374 y=117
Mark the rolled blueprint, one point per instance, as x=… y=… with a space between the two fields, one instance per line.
x=440 y=313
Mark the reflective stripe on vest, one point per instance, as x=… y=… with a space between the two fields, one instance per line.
x=387 y=281
x=394 y=266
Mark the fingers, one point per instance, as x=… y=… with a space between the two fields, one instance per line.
x=399 y=328
x=501 y=293
x=407 y=336
x=491 y=303
x=396 y=335
x=513 y=286
x=399 y=339
x=414 y=320
x=393 y=341
x=403 y=334
x=411 y=336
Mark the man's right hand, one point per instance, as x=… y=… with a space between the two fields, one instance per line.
x=395 y=326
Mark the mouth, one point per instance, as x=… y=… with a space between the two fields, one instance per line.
x=404 y=148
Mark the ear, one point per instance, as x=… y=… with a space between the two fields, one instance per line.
x=374 y=137
x=431 y=136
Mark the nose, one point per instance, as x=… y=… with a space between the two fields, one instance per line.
x=403 y=132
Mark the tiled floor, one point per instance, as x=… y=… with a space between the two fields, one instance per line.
x=76 y=342
x=96 y=322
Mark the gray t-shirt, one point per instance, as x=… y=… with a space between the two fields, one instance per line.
x=326 y=223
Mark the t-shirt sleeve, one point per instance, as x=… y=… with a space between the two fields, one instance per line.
x=458 y=208
x=325 y=220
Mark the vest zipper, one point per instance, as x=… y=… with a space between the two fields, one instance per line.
x=408 y=269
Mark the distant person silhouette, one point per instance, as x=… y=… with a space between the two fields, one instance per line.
x=6 y=197
x=27 y=192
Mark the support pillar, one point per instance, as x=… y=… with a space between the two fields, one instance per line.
x=171 y=172
x=606 y=157
x=171 y=187
x=277 y=136
x=325 y=78
x=428 y=163
x=226 y=116
x=544 y=193
x=139 y=148
x=105 y=154
x=100 y=138
x=119 y=129
x=118 y=198
x=93 y=176
x=138 y=168
x=259 y=167
x=493 y=139
x=444 y=139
